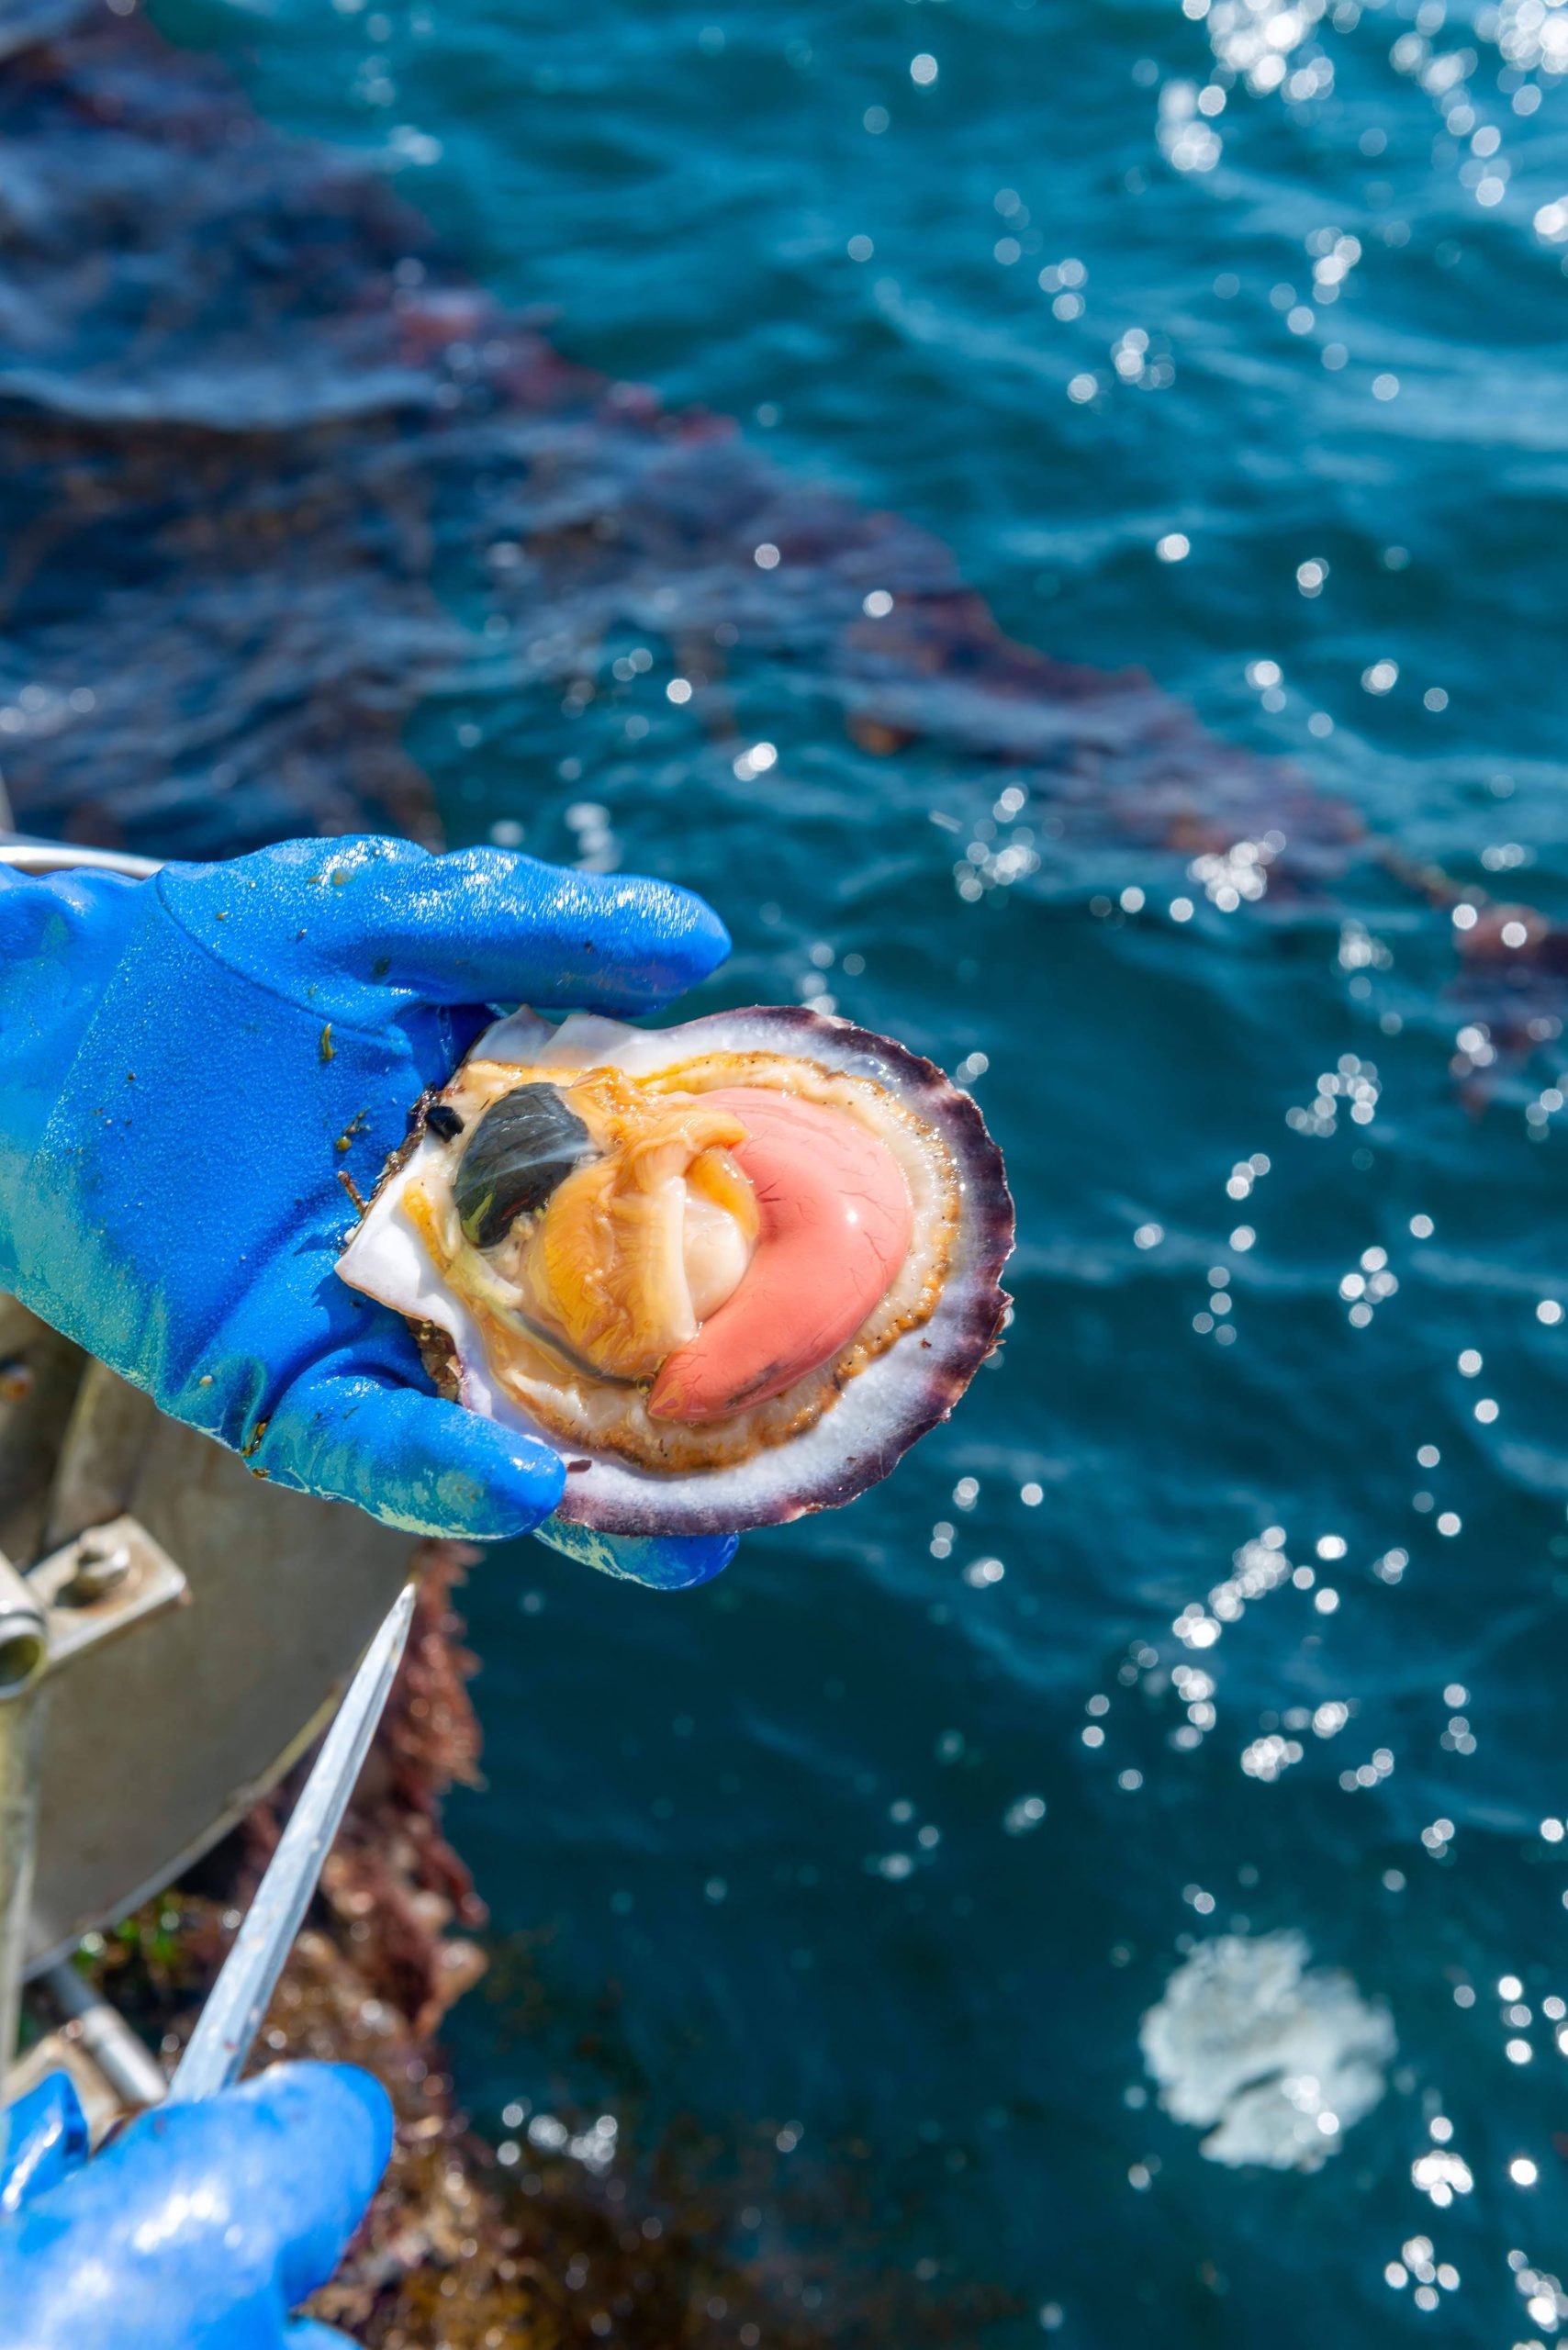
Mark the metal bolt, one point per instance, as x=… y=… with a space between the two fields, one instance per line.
x=101 y=1568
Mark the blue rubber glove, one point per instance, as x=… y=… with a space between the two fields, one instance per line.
x=189 y=1064
x=43 y=2138
x=200 y=2227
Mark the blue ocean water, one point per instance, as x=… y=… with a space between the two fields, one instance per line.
x=1226 y=341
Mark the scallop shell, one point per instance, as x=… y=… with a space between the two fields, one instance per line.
x=877 y=1414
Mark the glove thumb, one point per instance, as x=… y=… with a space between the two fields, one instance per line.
x=210 y=2221
x=316 y=2139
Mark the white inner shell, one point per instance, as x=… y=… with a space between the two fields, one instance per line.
x=389 y=1259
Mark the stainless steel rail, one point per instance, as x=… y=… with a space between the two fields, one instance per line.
x=24 y=1658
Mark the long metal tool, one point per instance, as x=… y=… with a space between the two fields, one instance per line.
x=232 y=2016
x=24 y=1654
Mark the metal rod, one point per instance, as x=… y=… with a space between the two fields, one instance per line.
x=127 y=2067
x=24 y=1653
x=232 y=2016
x=46 y=856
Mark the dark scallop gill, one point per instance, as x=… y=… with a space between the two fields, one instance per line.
x=523 y=1147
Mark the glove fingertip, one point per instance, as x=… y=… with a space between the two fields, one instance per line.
x=701 y=943
x=342 y=2102
x=374 y=2106
x=658 y=940
x=659 y=1561
x=522 y=1481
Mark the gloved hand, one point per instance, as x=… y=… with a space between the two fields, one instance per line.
x=188 y=1064
x=200 y=2227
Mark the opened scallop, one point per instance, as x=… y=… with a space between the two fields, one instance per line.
x=730 y=1271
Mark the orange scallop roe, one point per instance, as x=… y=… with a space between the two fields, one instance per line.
x=835 y=1221
x=606 y=1264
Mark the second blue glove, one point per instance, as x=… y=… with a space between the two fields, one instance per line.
x=201 y=2227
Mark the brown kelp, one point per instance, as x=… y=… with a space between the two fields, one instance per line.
x=239 y=443
x=261 y=439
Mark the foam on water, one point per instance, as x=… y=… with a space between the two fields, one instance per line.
x=1284 y=2057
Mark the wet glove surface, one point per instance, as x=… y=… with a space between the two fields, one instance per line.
x=189 y=1064
x=201 y=2227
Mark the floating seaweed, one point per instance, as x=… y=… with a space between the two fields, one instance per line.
x=260 y=448
x=231 y=480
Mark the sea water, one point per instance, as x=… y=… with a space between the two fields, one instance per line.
x=1110 y=1881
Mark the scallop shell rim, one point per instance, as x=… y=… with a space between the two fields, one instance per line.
x=676 y=1505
